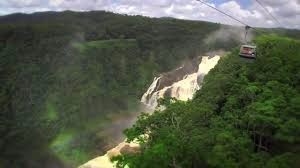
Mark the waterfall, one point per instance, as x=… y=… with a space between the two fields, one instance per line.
x=145 y=98
x=180 y=83
x=183 y=89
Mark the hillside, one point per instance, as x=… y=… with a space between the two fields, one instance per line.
x=65 y=77
x=245 y=115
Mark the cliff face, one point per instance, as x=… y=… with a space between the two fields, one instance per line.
x=181 y=83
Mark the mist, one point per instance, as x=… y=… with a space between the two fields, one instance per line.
x=229 y=34
x=112 y=133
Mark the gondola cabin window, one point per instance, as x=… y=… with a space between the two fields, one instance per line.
x=248 y=51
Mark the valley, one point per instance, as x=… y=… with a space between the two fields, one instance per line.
x=183 y=82
x=71 y=82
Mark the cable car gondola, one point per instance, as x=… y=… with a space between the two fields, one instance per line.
x=247 y=50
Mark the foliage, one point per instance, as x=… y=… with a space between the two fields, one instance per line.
x=62 y=71
x=63 y=74
x=245 y=115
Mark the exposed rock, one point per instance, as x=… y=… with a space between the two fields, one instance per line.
x=181 y=83
x=127 y=149
x=178 y=74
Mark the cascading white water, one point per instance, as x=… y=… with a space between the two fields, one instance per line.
x=150 y=91
x=183 y=89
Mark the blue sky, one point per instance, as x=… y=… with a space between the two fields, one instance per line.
x=244 y=3
x=286 y=11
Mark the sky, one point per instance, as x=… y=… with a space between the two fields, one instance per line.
x=287 y=12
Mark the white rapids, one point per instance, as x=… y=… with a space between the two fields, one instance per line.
x=183 y=89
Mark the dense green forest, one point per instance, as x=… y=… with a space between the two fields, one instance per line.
x=246 y=115
x=64 y=74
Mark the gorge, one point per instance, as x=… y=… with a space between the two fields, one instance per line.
x=72 y=81
x=180 y=84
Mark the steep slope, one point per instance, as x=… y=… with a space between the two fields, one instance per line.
x=182 y=82
x=245 y=115
x=66 y=76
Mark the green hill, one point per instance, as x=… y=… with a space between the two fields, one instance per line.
x=65 y=74
x=245 y=115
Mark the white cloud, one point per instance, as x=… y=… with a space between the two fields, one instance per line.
x=286 y=11
x=20 y=3
x=55 y=2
